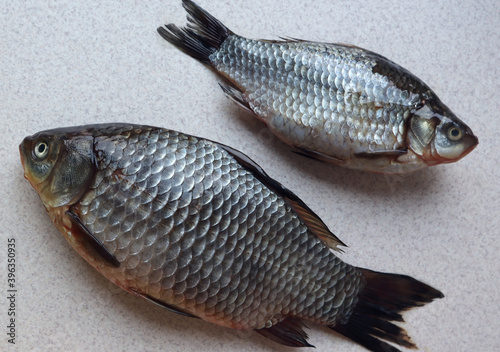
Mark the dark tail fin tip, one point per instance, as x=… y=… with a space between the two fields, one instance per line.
x=187 y=41
x=399 y=292
x=203 y=35
x=205 y=24
x=380 y=302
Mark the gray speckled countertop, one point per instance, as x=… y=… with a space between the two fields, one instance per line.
x=67 y=63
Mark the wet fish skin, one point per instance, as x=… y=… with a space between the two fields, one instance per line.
x=151 y=182
x=200 y=229
x=336 y=103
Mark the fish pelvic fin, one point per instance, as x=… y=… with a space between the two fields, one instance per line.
x=382 y=154
x=380 y=302
x=202 y=37
x=288 y=332
x=311 y=154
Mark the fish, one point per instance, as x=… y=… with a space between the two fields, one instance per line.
x=200 y=229
x=335 y=103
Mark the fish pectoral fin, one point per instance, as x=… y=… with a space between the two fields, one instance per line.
x=288 y=332
x=160 y=303
x=91 y=242
x=382 y=153
x=310 y=219
x=318 y=156
x=236 y=96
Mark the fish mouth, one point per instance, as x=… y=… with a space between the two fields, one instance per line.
x=473 y=144
x=471 y=140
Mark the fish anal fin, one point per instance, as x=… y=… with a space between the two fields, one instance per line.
x=288 y=332
x=310 y=219
x=382 y=154
x=236 y=96
x=160 y=303
x=91 y=242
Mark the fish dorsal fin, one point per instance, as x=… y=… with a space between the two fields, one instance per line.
x=310 y=219
x=291 y=39
x=314 y=223
x=236 y=96
x=287 y=39
x=91 y=242
x=288 y=332
x=160 y=303
x=283 y=39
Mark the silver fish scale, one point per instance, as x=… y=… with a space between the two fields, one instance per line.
x=193 y=228
x=323 y=97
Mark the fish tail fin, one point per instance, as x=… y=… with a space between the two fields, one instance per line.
x=203 y=35
x=380 y=302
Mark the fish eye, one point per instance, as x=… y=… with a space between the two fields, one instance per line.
x=41 y=150
x=455 y=134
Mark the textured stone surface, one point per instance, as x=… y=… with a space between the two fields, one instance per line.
x=65 y=63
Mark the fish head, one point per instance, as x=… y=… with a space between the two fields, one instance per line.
x=59 y=164
x=437 y=135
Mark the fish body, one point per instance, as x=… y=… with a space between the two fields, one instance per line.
x=199 y=228
x=336 y=103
